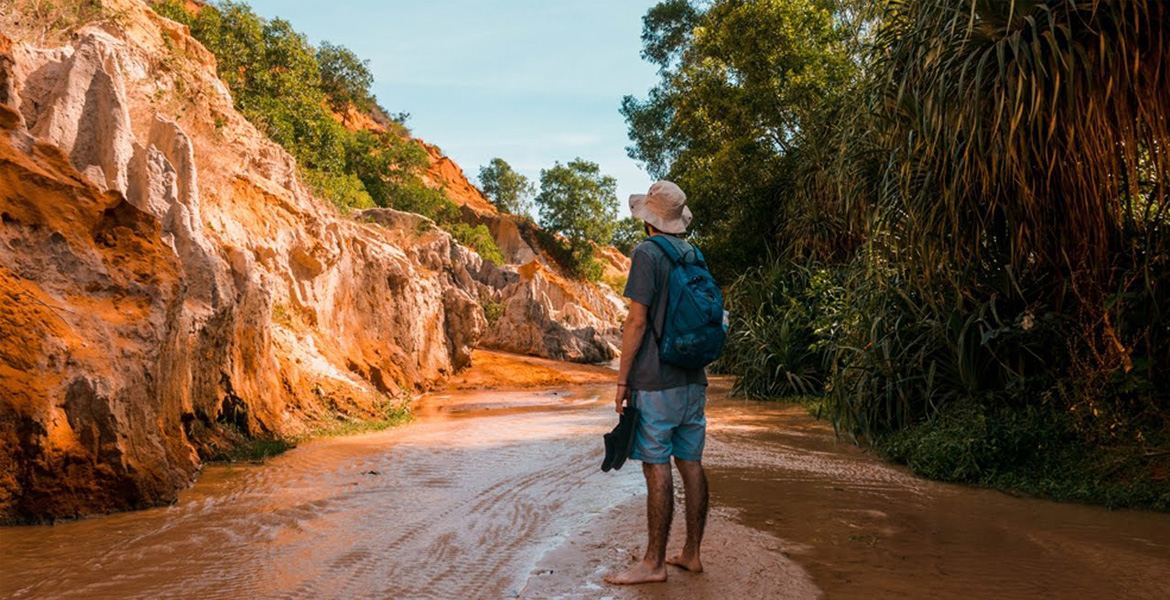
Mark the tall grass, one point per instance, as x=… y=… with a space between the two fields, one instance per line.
x=784 y=319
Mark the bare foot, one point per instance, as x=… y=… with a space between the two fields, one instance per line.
x=641 y=572
x=690 y=563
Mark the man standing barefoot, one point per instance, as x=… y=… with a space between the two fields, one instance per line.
x=671 y=400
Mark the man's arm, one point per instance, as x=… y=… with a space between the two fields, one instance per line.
x=632 y=332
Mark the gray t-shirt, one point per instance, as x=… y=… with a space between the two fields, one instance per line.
x=649 y=276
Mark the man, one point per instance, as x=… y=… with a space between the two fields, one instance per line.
x=671 y=399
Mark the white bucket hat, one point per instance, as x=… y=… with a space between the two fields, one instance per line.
x=663 y=207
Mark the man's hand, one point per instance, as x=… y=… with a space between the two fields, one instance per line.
x=619 y=399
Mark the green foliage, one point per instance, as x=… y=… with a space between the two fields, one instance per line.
x=388 y=413
x=390 y=169
x=1036 y=450
x=173 y=10
x=667 y=30
x=493 y=310
x=990 y=106
x=785 y=321
x=627 y=233
x=256 y=450
x=739 y=81
x=580 y=203
x=971 y=203
x=345 y=78
x=510 y=191
x=344 y=190
x=477 y=238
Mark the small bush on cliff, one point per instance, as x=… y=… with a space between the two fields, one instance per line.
x=493 y=310
x=390 y=168
x=477 y=238
x=343 y=189
x=51 y=20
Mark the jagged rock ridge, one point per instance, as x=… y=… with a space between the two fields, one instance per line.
x=168 y=286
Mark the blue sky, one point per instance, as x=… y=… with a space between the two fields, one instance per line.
x=530 y=81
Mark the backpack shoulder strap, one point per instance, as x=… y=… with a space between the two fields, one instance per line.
x=667 y=247
x=676 y=256
x=676 y=259
x=699 y=260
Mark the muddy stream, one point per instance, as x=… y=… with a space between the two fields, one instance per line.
x=497 y=494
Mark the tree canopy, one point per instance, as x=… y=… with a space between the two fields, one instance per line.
x=509 y=190
x=627 y=233
x=579 y=202
x=737 y=82
x=345 y=78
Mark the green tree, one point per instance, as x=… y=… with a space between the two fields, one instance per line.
x=627 y=233
x=345 y=78
x=577 y=201
x=739 y=84
x=510 y=191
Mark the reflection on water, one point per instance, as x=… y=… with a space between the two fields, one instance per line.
x=465 y=501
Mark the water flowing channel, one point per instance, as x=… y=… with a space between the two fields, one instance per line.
x=497 y=494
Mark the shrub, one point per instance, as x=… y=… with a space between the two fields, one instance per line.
x=344 y=190
x=784 y=321
x=492 y=310
x=477 y=238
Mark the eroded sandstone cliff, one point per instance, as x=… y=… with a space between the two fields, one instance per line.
x=168 y=287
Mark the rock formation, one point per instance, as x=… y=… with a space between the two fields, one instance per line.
x=544 y=313
x=168 y=287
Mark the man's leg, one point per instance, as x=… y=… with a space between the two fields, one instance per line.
x=688 y=442
x=659 y=510
x=695 y=487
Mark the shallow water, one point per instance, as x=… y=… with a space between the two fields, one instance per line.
x=866 y=529
x=469 y=499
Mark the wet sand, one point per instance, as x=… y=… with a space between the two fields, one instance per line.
x=496 y=493
x=738 y=561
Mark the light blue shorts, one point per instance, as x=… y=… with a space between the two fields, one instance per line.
x=672 y=423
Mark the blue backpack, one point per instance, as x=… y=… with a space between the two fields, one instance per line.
x=692 y=334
